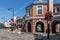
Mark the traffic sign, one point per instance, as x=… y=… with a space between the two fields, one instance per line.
x=48 y=16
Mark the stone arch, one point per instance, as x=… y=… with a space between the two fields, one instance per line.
x=39 y=26
x=53 y=25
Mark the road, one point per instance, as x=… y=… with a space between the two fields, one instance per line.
x=5 y=35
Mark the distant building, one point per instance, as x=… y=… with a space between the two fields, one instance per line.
x=7 y=24
x=18 y=21
x=35 y=14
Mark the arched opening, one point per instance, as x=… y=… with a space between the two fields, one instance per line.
x=39 y=27
x=54 y=26
x=29 y=27
x=58 y=28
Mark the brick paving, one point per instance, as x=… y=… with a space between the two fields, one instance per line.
x=5 y=35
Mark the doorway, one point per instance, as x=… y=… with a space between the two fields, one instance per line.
x=39 y=27
x=55 y=24
x=29 y=27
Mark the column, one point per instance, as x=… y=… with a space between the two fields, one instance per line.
x=33 y=26
x=45 y=26
x=26 y=28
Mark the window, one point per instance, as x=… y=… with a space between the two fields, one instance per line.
x=39 y=28
x=56 y=10
x=39 y=10
x=28 y=10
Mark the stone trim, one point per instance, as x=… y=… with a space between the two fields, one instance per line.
x=56 y=15
x=33 y=18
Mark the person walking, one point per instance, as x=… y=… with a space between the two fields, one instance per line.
x=19 y=29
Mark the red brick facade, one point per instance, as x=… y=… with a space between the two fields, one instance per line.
x=33 y=19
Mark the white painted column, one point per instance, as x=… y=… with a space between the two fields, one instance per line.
x=51 y=5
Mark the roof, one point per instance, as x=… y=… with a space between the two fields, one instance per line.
x=37 y=2
x=41 y=2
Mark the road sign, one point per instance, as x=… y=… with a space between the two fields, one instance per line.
x=48 y=16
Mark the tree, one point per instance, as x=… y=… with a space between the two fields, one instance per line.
x=1 y=25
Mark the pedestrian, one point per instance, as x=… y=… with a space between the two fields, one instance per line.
x=19 y=29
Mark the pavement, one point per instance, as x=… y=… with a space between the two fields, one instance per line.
x=8 y=35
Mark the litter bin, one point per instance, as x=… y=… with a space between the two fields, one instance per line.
x=39 y=37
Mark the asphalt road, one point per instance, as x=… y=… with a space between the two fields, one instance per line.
x=5 y=35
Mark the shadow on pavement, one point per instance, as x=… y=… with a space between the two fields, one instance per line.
x=41 y=37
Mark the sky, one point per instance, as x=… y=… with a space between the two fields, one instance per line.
x=18 y=6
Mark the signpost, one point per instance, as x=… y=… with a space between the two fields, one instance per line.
x=48 y=17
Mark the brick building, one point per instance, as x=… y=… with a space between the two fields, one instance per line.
x=35 y=14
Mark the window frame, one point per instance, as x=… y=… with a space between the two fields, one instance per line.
x=28 y=12
x=56 y=12
x=37 y=10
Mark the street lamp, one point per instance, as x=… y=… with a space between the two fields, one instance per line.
x=11 y=9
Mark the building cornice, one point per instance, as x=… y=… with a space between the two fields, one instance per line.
x=29 y=18
x=56 y=15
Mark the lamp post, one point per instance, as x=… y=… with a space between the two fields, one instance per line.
x=12 y=9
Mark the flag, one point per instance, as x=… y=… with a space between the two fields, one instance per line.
x=14 y=20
